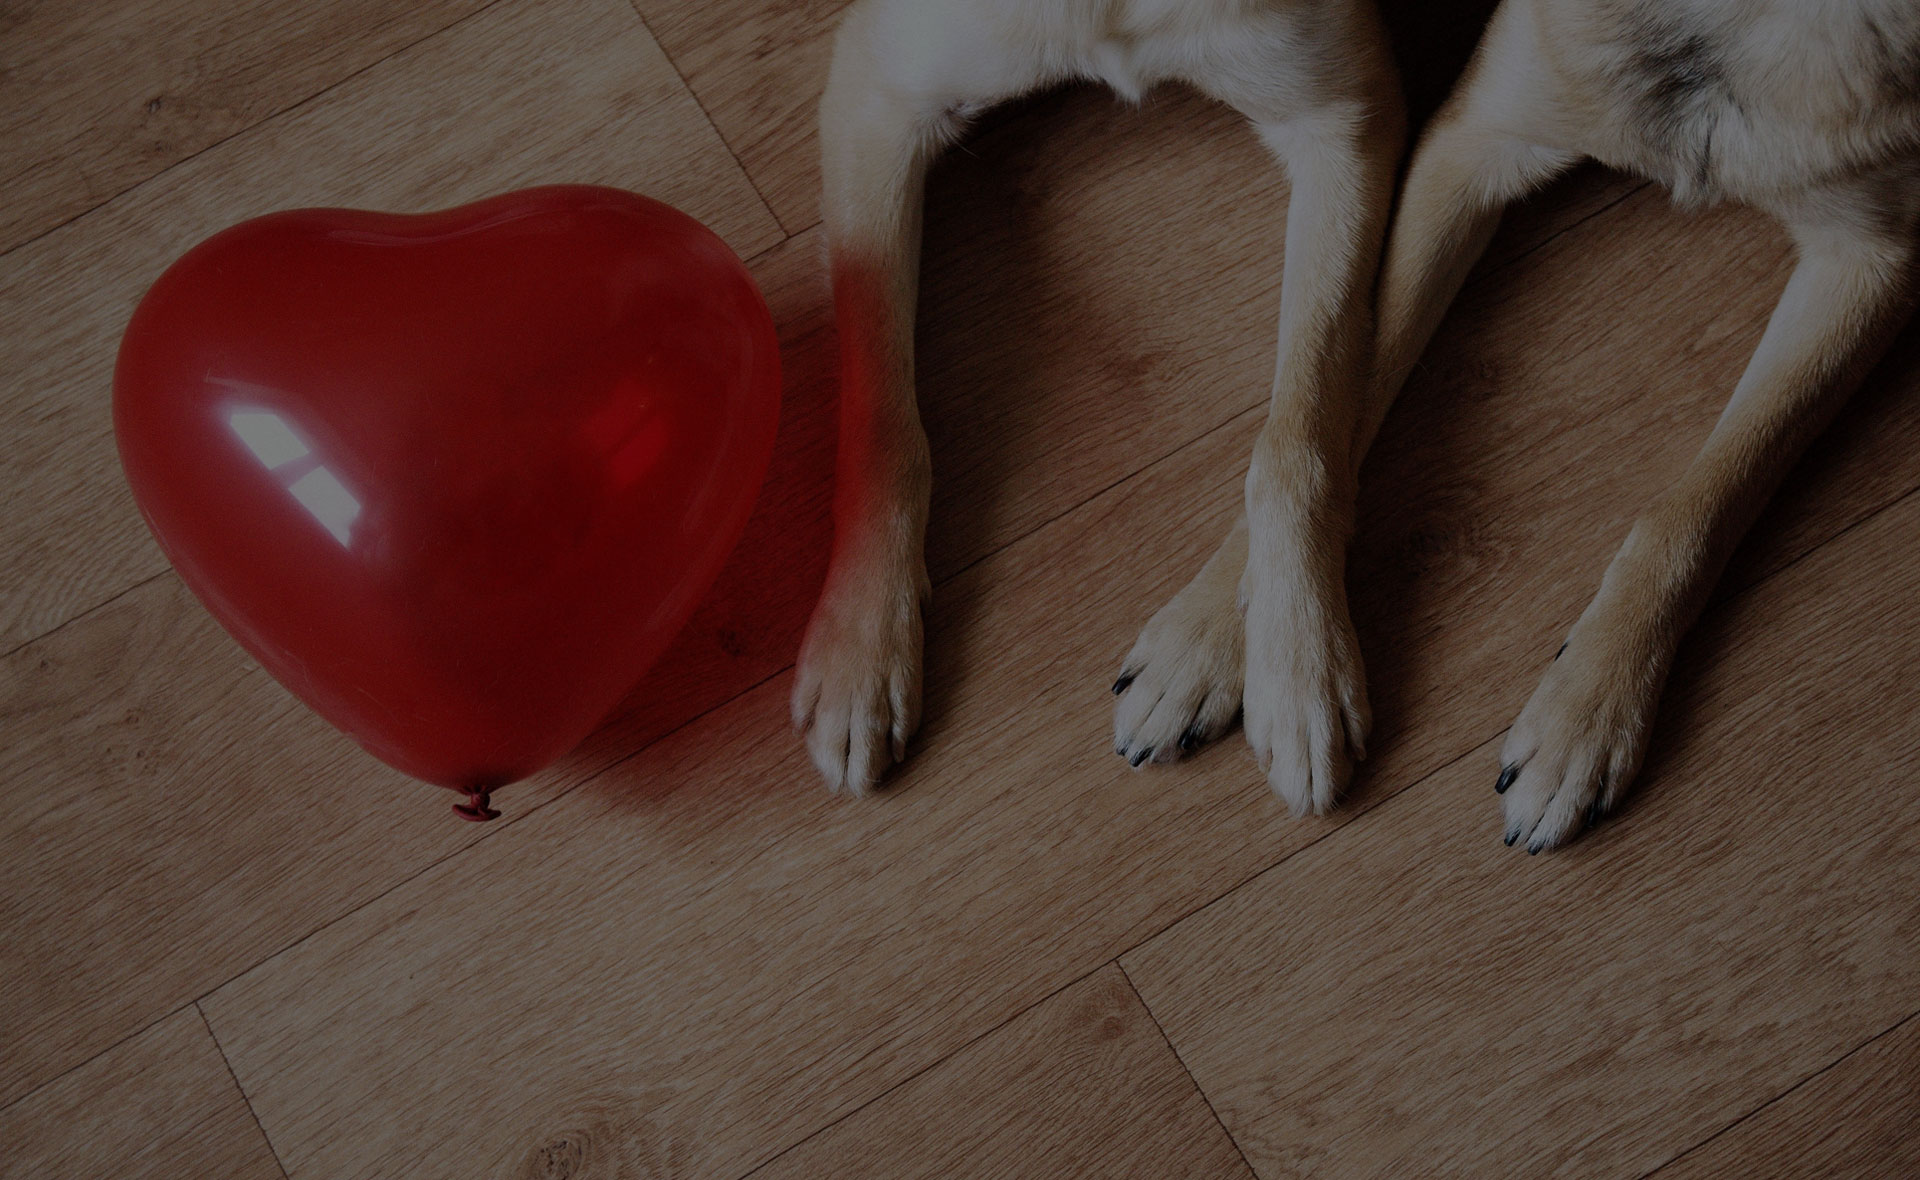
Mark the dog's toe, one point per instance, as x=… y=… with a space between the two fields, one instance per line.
x=1550 y=801
x=856 y=692
x=1304 y=743
x=1575 y=747
x=1180 y=685
x=1306 y=697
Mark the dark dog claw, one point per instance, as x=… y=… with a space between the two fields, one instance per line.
x=1507 y=775
x=1140 y=757
x=1120 y=685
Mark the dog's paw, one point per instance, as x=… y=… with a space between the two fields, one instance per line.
x=1306 y=693
x=1578 y=743
x=856 y=689
x=1180 y=685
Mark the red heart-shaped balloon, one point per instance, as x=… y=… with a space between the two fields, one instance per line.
x=455 y=479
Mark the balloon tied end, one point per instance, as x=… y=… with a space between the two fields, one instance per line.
x=475 y=808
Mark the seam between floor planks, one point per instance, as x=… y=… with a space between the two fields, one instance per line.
x=1175 y=1050
x=270 y=117
x=772 y=213
x=88 y=612
x=240 y=1089
x=1503 y=264
x=497 y=827
x=1888 y=1031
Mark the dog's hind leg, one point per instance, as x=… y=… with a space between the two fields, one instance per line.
x=1578 y=743
x=903 y=74
x=1480 y=153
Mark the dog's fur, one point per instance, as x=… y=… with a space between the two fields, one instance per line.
x=1315 y=78
x=1809 y=109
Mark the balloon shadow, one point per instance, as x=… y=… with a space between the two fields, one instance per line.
x=749 y=624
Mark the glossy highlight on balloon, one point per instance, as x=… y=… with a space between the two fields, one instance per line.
x=455 y=479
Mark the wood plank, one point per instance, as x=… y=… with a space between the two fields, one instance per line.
x=1006 y=466
x=525 y=93
x=1859 y=1118
x=161 y=1105
x=1410 y=997
x=1081 y=1084
x=227 y=735
x=173 y=816
x=755 y=960
x=96 y=98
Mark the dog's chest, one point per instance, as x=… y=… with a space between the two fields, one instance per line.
x=1672 y=93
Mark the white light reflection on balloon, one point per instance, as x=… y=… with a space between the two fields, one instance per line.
x=267 y=436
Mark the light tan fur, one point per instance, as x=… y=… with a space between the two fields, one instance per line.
x=1808 y=109
x=1315 y=79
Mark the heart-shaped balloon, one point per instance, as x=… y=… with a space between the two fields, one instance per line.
x=455 y=479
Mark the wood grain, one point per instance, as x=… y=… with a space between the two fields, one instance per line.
x=525 y=93
x=1081 y=1084
x=1857 y=1120
x=161 y=1105
x=96 y=98
x=1561 y=395
x=168 y=758
x=1408 y=997
x=999 y=440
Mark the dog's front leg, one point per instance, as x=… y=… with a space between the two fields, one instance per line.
x=1578 y=743
x=856 y=692
x=1305 y=696
x=905 y=73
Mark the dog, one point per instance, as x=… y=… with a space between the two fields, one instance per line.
x=1316 y=79
x=1806 y=109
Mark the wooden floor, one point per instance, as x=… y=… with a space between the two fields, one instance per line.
x=233 y=945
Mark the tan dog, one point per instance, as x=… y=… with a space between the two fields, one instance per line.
x=1316 y=80
x=1808 y=109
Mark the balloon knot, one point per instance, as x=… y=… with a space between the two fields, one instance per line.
x=475 y=808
